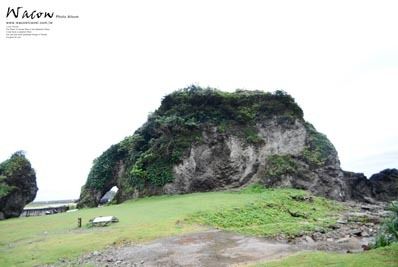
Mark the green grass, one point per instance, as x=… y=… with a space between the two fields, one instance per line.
x=288 y=211
x=381 y=257
x=45 y=239
x=255 y=210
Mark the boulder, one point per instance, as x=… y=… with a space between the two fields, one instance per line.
x=17 y=185
x=385 y=185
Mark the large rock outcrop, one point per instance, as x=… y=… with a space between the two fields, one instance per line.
x=205 y=139
x=281 y=157
x=17 y=185
x=382 y=186
x=385 y=185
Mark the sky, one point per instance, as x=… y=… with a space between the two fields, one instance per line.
x=65 y=98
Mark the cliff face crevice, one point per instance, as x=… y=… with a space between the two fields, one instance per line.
x=204 y=139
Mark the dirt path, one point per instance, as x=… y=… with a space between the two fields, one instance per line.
x=209 y=248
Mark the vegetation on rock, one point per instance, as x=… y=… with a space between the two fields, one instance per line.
x=104 y=166
x=5 y=189
x=17 y=185
x=203 y=139
x=319 y=147
x=278 y=165
x=162 y=142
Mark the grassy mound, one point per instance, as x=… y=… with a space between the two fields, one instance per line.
x=288 y=211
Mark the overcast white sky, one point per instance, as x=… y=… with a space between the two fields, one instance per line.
x=66 y=98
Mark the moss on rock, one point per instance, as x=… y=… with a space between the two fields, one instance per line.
x=278 y=165
x=144 y=162
x=318 y=149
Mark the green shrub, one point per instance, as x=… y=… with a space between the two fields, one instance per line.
x=278 y=165
x=389 y=229
x=211 y=105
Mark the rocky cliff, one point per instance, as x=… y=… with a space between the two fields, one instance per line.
x=382 y=186
x=17 y=185
x=205 y=139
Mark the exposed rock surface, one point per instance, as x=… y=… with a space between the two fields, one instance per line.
x=382 y=186
x=276 y=161
x=361 y=188
x=385 y=185
x=17 y=185
x=358 y=223
x=205 y=139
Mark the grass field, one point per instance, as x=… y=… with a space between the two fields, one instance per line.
x=35 y=240
x=381 y=257
x=45 y=239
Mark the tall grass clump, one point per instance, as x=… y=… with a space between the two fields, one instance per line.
x=389 y=229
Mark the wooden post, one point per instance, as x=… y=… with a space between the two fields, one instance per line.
x=79 y=222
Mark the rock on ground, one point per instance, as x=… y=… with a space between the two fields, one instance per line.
x=17 y=185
